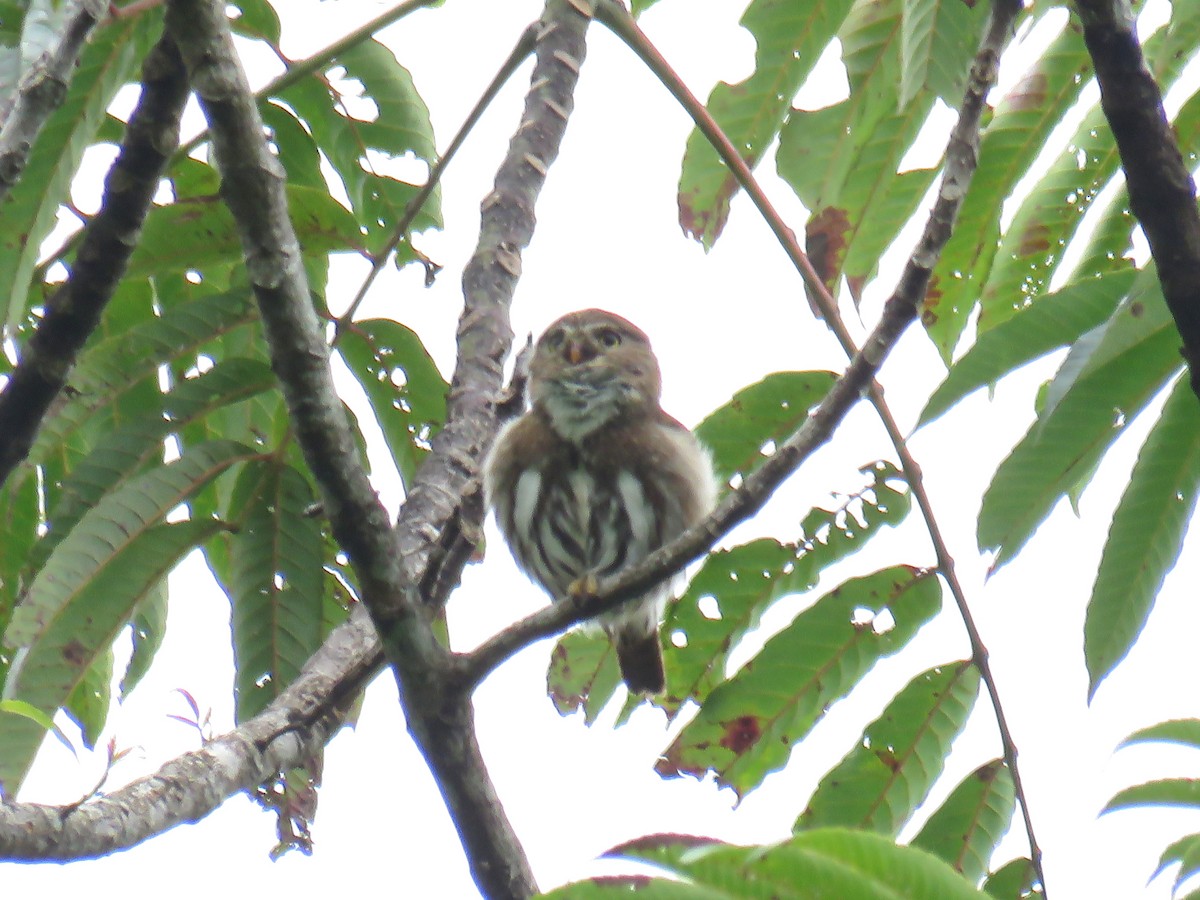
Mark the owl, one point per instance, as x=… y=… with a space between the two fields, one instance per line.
x=596 y=476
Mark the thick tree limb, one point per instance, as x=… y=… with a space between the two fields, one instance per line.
x=42 y=90
x=74 y=310
x=438 y=713
x=1162 y=194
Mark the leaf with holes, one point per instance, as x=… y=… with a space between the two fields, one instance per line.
x=1011 y=140
x=748 y=725
x=354 y=142
x=882 y=781
x=583 y=673
x=744 y=430
x=790 y=38
x=734 y=587
x=277 y=582
x=406 y=390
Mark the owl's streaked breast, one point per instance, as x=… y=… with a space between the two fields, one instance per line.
x=568 y=522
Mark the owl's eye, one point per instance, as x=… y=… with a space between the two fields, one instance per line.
x=553 y=339
x=609 y=338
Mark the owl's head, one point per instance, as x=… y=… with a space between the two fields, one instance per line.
x=591 y=367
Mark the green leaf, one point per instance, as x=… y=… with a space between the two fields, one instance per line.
x=105 y=534
x=277 y=582
x=1185 y=732
x=1146 y=535
x=883 y=780
x=967 y=828
x=748 y=725
x=758 y=417
x=583 y=674
x=813 y=865
x=790 y=38
x=1011 y=140
x=1047 y=219
x=1185 y=853
x=149 y=627
x=89 y=701
x=27 y=711
x=937 y=44
x=256 y=19
x=406 y=390
x=29 y=212
x=197 y=234
x=353 y=144
x=126 y=449
x=1055 y=321
x=78 y=604
x=116 y=366
x=734 y=587
x=1168 y=792
x=1015 y=880
x=1062 y=448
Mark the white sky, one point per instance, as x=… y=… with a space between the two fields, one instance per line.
x=607 y=236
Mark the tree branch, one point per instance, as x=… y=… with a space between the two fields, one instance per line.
x=293 y=727
x=74 y=310
x=1162 y=194
x=41 y=92
x=438 y=713
x=899 y=312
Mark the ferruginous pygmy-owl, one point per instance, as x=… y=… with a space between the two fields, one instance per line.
x=596 y=476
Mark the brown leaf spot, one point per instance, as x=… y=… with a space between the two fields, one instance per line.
x=75 y=653
x=825 y=239
x=1136 y=309
x=1035 y=239
x=888 y=758
x=741 y=734
x=1030 y=92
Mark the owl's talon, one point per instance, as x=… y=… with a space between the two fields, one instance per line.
x=584 y=587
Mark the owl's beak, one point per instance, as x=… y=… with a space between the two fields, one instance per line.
x=576 y=353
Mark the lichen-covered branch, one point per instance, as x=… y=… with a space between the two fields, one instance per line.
x=1162 y=194
x=74 y=310
x=294 y=727
x=437 y=710
x=41 y=92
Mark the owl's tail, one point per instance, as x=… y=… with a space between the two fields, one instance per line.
x=640 y=657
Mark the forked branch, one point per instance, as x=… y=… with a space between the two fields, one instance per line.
x=899 y=312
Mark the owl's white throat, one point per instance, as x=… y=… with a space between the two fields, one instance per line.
x=576 y=407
